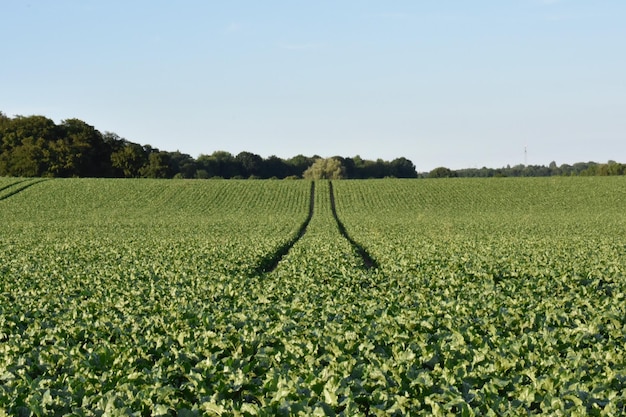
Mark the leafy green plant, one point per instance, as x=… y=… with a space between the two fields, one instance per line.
x=145 y=297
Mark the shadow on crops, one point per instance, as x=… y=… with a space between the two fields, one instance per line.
x=270 y=262
x=368 y=261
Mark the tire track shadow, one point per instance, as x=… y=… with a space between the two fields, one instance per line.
x=19 y=187
x=270 y=262
x=368 y=261
x=13 y=184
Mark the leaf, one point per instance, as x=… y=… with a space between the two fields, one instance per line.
x=160 y=410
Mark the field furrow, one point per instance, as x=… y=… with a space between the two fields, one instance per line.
x=270 y=261
x=14 y=187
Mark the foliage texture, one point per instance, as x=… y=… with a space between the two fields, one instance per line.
x=147 y=297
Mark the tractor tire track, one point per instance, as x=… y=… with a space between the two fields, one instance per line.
x=20 y=186
x=270 y=262
x=368 y=261
x=13 y=184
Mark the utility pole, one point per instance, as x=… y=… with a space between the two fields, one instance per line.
x=525 y=155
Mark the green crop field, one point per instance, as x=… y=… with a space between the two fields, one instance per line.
x=355 y=298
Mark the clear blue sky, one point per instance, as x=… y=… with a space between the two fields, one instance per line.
x=453 y=83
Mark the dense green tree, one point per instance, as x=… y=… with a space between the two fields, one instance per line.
x=158 y=166
x=129 y=160
x=208 y=167
x=402 y=168
x=201 y=174
x=4 y=121
x=20 y=128
x=227 y=165
x=276 y=167
x=349 y=166
x=35 y=146
x=182 y=164
x=87 y=153
x=25 y=146
x=298 y=164
x=251 y=165
x=373 y=169
x=610 y=168
x=25 y=160
x=584 y=168
x=325 y=168
x=441 y=172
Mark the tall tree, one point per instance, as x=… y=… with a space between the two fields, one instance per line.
x=276 y=167
x=158 y=166
x=129 y=160
x=298 y=164
x=325 y=168
x=25 y=146
x=88 y=153
x=183 y=165
x=250 y=164
x=441 y=172
x=403 y=168
x=227 y=165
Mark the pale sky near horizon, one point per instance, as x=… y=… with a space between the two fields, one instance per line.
x=452 y=83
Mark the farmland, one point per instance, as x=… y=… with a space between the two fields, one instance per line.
x=154 y=297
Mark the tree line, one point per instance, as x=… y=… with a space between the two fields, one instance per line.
x=35 y=146
x=577 y=169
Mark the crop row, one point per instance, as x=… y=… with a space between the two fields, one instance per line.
x=108 y=289
x=145 y=298
x=521 y=302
